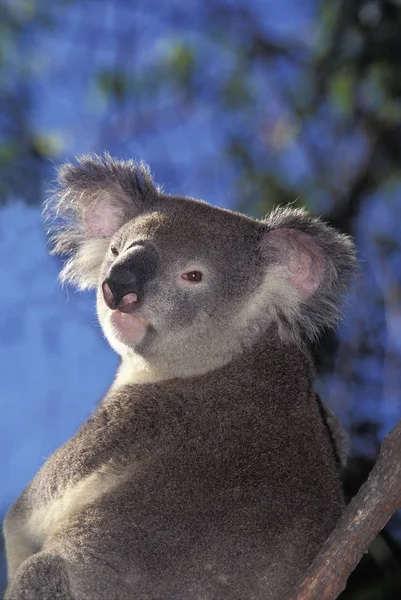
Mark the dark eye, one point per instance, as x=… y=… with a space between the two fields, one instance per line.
x=194 y=276
x=114 y=250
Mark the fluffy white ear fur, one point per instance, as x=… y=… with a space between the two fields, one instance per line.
x=301 y=258
x=82 y=270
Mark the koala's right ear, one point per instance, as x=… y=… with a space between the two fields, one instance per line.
x=92 y=200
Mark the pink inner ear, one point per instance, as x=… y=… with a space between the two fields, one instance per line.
x=100 y=219
x=302 y=256
x=308 y=272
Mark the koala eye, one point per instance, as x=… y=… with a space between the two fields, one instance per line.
x=193 y=276
x=114 y=250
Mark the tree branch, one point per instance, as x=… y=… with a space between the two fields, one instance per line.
x=366 y=515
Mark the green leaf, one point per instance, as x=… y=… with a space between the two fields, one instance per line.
x=342 y=90
x=235 y=92
x=47 y=144
x=181 y=63
x=113 y=84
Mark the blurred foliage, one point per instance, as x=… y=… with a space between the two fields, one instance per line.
x=22 y=147
x=309 y=115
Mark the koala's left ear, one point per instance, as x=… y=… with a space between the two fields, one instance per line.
x=93 y=198
x=309 y=268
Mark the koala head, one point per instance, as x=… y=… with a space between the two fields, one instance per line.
x=183 y=286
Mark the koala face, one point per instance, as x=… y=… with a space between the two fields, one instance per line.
x=183 y=286
x=166 y=292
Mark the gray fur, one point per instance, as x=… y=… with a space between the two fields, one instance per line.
x=209 y=470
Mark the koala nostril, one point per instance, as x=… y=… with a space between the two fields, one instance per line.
x=108 y=296
x=128 y=303
x=116 y=299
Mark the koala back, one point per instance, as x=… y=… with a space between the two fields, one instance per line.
x=221 y=485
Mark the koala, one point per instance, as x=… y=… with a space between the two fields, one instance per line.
x=210 y=470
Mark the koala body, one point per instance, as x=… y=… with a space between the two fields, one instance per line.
x=210 y=470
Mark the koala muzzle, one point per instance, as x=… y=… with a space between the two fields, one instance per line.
x=124 y=285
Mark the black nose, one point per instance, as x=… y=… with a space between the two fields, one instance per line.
x=127 y=303
x=124 y=285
